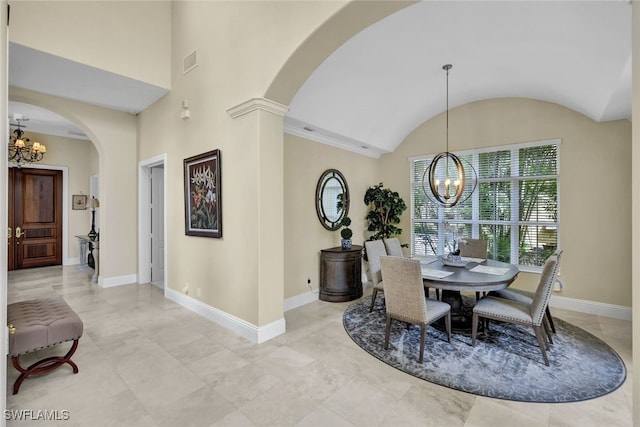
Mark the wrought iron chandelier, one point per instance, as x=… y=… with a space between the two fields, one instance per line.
x=449 y=178
x=21 y=151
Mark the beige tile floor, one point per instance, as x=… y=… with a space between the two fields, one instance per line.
x=145 y=361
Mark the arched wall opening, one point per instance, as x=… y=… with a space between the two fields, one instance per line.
x=75 y=156
x=114 y=137
x=301 y=266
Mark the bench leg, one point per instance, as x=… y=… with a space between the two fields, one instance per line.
x=43 y=366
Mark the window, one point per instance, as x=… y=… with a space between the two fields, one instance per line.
x=514 y=207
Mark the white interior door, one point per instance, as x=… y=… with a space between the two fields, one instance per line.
x=157 y=225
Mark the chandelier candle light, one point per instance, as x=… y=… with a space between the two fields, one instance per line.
x=20 y=152
x=442 y=191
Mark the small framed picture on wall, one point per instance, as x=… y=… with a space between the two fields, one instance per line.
x=79 y=202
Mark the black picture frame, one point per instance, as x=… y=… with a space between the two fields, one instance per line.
x=203 y=195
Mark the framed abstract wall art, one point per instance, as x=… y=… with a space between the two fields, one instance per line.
x=202 y=195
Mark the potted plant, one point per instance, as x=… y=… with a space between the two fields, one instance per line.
x=386 y=206
x=346 y=233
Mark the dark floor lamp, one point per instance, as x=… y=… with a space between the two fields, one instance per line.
x=93 y=203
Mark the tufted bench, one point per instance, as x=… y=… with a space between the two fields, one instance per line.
x=37 y=324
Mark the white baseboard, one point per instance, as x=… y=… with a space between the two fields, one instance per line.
x=591 y=307
x=300 y=300
x=71 y=261
x=581 y=306
x=257 y=334
x=109 y=282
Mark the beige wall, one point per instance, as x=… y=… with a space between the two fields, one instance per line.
x=635 y=186
x=129 y=38
x=4 y=130
x=595 y=169
x=304 y=162
x=76 y=155
x=241 y=47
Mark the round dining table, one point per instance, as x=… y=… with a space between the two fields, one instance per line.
x=484 y=276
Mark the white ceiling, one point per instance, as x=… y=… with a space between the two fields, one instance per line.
x=40 y=120
x=41 y=72
x=387 y=80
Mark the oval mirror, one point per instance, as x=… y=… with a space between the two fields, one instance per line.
x=332 y=199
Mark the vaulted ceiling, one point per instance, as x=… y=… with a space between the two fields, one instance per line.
x=385 y=81
x=388 y=79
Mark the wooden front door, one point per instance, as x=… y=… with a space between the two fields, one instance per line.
x=35 y=218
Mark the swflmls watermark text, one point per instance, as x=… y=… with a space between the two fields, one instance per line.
x=37 y=415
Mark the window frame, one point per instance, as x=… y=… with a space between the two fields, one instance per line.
x=475 y=222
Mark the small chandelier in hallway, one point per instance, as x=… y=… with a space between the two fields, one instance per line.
x=21 y=151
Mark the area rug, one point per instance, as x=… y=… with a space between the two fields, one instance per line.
x=505 y=363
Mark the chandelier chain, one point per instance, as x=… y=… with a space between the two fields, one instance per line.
x=441 y=191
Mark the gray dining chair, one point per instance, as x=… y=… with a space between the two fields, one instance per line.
x=405 y=299
x=375 y=249
x=510 y=311
x=526 y=297
x=393 y=246
x=473 y=248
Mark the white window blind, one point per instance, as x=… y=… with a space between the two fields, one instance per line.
x=515 y=205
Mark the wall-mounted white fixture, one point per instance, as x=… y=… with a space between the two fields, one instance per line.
x=186 y=113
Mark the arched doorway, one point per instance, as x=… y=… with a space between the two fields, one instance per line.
x=70 y=160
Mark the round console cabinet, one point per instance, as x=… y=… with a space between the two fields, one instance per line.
x=341 y=274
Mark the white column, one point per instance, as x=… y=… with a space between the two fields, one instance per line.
x=264 y=119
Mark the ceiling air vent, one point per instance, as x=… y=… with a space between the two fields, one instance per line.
x=190 y=61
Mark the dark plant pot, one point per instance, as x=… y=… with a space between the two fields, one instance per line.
x=346 y=243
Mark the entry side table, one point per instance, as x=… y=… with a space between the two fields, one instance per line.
x=341 y=274
x=87 y=246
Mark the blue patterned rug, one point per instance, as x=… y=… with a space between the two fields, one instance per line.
x=505 y=363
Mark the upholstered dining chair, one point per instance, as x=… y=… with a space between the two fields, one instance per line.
x=375 y=249
x=510 y=311
x=526 y=297
x=473 y=248
x=405 y=299
x=393 y=246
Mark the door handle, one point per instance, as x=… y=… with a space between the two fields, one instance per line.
x=19 y=232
